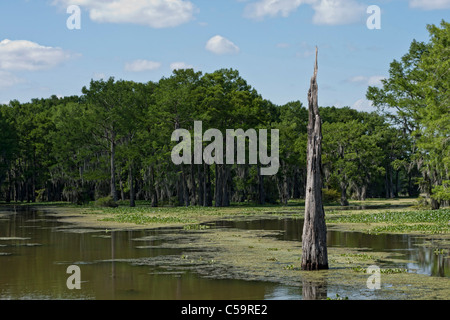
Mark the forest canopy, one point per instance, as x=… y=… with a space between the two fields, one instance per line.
x=115 y=139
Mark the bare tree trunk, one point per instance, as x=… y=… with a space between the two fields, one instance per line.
x=344 y=201
x=226 y=175
x=218 y=189
x=132 y=192
x=154 y=192
x=314 y=238
x=113 y=171
x=201 y=183
x=261 y=193
x=207 y=196
x=363 y=194
x=194 y=200
x=185 y=187
x=122 y=193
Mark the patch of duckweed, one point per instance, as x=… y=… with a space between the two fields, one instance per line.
x=419 y=221
x=382 y=270
x=140 y=218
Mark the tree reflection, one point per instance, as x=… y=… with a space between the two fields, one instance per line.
x=314 y=289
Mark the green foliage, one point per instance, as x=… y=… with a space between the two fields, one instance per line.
x=442 y=192
x=422 y=203
x=330 y=195
x=40 y=195
x=116 y=139
x=418 y=91
x=106 y=202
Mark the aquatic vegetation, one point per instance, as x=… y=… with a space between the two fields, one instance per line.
x=196 y=227
x=424 y=228
x=415 y=216
x=440 y=251
x=424 y=221
x=382 y=271
x=290 y=267
x=337 y=297
x=140 y=218
x=362 y=256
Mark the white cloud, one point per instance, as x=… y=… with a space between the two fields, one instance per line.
x=141 y=65
x=272 y=8
x=430 y=4
x=180 y=65
x=326 y=12
x=29 y=56
x=369 y=81
x=363 y=105
x=153 y=13
x=338 y=12
x=221 y=45
x=7 y=79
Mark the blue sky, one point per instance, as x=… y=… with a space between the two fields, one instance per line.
x=270 y=42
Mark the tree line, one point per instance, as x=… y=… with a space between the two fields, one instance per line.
x=115 y=139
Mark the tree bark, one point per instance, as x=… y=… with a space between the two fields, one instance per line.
x=261 y=193
x=314 y=238
x=226 y=175
x=218 y=189
x=185 y=188
x=344 y=201
x=207 y=197
x=132 y=192
x=201 y=183
x=194 y=200
x=154 y=192
x=113 y=170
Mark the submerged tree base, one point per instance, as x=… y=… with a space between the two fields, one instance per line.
x=310 y=266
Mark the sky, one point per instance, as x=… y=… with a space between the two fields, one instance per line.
x=55 y=47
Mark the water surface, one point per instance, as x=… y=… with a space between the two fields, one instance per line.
x=36 y=249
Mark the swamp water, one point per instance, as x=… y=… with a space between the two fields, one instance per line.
x=36 y=249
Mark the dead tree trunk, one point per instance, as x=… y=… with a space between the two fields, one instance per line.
x=314 y=239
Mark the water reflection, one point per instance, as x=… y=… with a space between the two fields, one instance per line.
x=409 y=247
x=313 y=289
x=36 y=249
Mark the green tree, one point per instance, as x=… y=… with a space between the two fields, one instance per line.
x=417 y=89
x=108 y=104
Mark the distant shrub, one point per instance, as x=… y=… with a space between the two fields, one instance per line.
x=421 y=203
x=40 y=195
x=330 y=195
x=106 y=202
x=76 y=194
